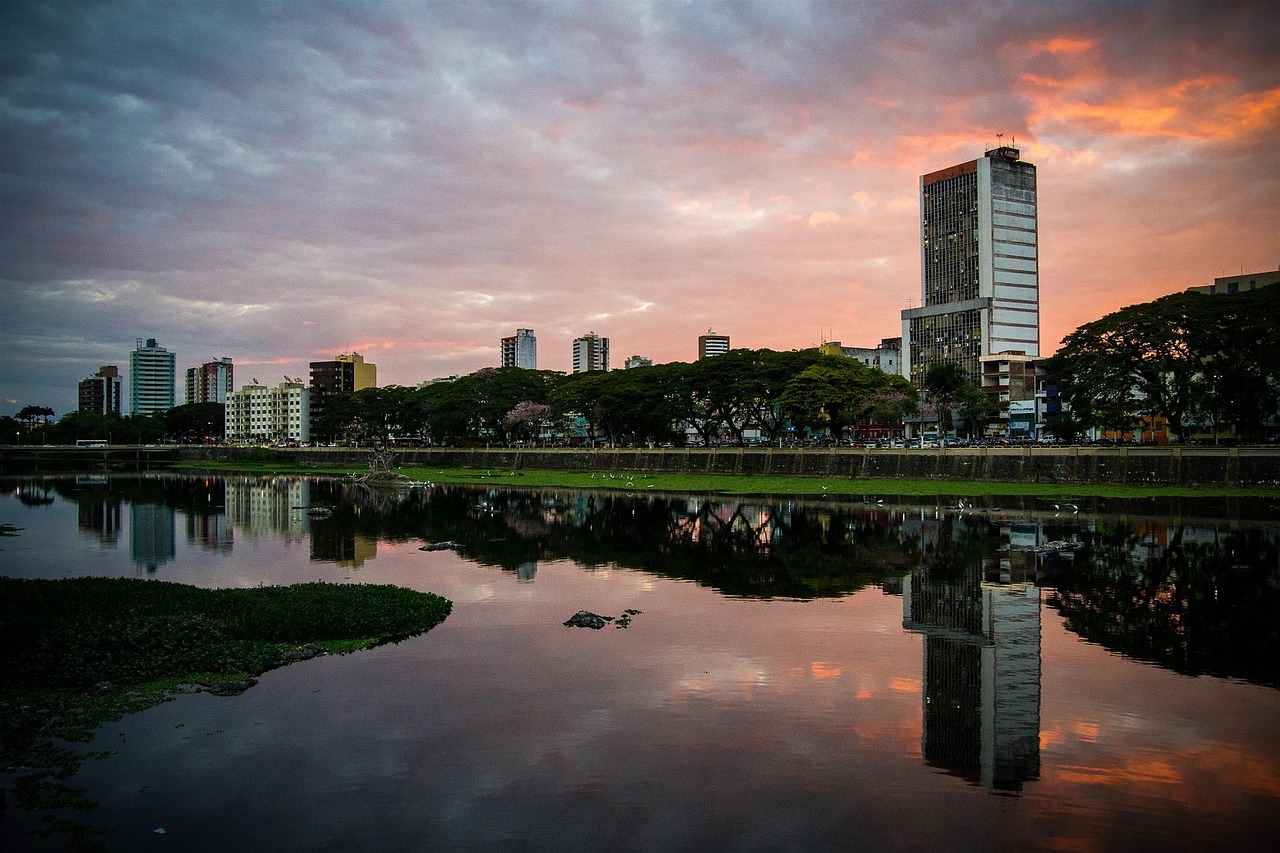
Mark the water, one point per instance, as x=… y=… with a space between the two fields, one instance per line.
x=801 y=675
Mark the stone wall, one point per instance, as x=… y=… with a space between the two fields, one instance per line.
x=1148 y=466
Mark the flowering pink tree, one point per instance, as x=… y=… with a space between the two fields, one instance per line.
x=526 y=419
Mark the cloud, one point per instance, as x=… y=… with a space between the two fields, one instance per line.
x=281 y=183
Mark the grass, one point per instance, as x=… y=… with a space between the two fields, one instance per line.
x=79 y=652
x=739 y=484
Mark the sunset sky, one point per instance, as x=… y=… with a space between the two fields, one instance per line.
x=283 y=182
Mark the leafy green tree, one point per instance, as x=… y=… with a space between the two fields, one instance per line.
x=832 y=393
x=1145 y=359
x=763 y=380
x=944 y=392
x=195 y=423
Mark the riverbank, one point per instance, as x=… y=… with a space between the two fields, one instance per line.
x=739 y=485
x=1157 y=467
x=79 y=652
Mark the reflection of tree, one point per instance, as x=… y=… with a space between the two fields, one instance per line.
x=750 y=549
x=1198 y=602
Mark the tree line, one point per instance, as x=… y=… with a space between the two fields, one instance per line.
x=1200 y=361
x=1203 y=362
x=194 y=423
x=720 y=399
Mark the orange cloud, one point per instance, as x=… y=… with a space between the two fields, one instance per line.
x=1064 y=44
x=821 y=669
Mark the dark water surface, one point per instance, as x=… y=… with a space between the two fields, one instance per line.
x=801 y=675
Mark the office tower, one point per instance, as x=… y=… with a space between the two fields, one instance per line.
x=101 y=393
x=211 y=382
x=520 y=350
x=257 y=414
x=979 y=272
x=712 y=344
x=151 y=378
x=590 y=352
x=347 y=372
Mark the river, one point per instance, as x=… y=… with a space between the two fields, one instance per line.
x=777 y=674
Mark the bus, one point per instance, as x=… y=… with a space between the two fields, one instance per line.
x=91 y=442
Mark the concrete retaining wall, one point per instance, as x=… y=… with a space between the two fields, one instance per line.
x=1257 y=467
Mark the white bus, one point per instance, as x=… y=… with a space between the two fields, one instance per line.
x=91 y=442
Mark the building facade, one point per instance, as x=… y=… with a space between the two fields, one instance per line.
x=211 y=382
x=887 y=356
x=347 y=372
x=979 y=266
x=590 y=352
x=637 y=361
x=151 y=378
x=1242 y=283
x=520 y=350
x=257 y=414
x=711 y=345
x=102 y=392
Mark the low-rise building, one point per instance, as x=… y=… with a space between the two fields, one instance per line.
x=257 y=414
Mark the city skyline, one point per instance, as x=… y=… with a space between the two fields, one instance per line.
x=412 y=181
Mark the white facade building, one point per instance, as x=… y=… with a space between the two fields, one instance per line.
x=590 y=352
x=520 y=350
x=257 y=414
x=151 y=377
x=979 y=266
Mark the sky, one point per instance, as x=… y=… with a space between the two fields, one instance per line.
x=281 y=182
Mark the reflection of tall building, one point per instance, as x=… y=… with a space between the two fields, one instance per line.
x=101 y=517
x=151 y=534
x=211 y=530
x=351 y=550
x=527 y=571
x=981 y=702
x=265 y=507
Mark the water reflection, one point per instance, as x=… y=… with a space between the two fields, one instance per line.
x=151 y=529
x=809 y=665
x=1192 y=594
x=980 y=617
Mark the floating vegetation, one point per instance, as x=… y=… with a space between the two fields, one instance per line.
x=78 y=653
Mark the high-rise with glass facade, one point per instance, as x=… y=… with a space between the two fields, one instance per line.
x=979 y=270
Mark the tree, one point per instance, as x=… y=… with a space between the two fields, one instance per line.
x=196 y=423
x=832 y=393
x=944 y=392
x=526 y=419
x=1143 y=360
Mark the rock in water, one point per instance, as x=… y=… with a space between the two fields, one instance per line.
x=587 y=619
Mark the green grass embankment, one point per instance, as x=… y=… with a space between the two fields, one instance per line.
x=79 y=652
x=741 y=485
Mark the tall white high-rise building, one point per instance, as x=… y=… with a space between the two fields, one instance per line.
x=520 y=350
x=590 y=352
x=979 y=267
x=150 y=378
